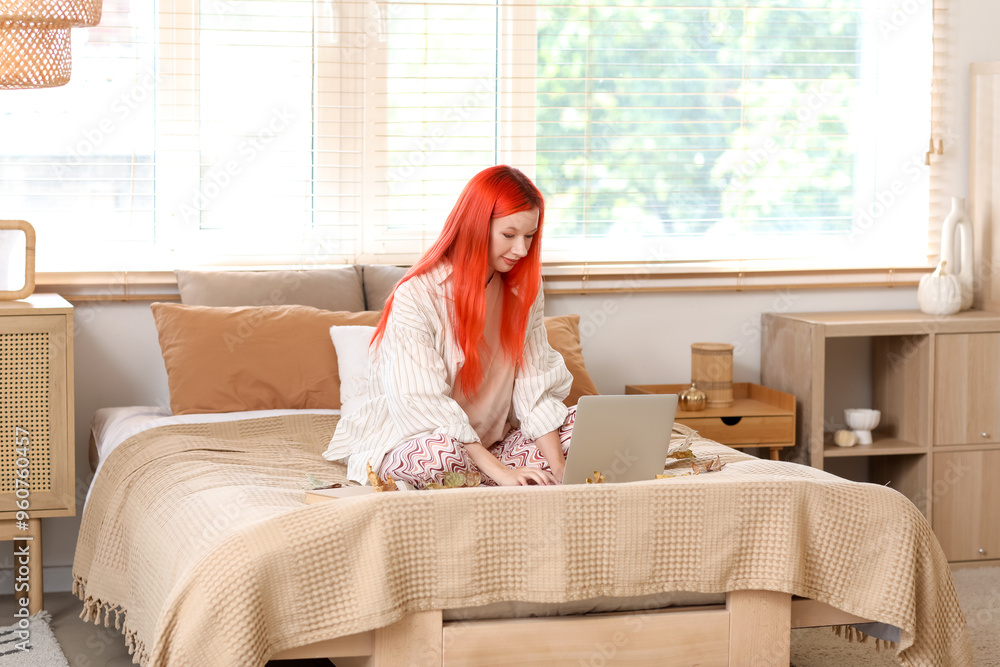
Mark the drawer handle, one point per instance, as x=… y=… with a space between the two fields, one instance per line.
x=985 y=434
x=982 y=552
x=731 y=421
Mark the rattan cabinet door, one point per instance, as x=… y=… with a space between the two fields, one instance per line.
x=36 y=424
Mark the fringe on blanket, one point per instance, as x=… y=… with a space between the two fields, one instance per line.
x=851 y=634
x=94 y=608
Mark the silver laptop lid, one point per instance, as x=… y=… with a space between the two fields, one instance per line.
x=626 y=438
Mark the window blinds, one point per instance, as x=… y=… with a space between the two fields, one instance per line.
x=300 y=132
x=77 y=161
x=668 y=131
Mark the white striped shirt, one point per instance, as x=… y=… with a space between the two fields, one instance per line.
x=413 y=372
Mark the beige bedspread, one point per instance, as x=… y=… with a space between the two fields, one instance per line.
x=197 y=543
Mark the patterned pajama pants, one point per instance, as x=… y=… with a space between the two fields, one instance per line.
x=427 y=459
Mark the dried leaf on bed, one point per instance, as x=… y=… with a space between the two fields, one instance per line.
x=598 y=478
x=689 y=435
x=713 y=465
x=378 y=484
x=686 y=454
x=457 y=480
x=315 y=484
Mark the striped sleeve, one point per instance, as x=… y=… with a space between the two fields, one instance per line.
x=542 y=381
x=414 y=375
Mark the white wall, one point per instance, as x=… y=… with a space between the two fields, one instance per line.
x=635 y=338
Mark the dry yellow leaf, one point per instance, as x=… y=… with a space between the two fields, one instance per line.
x=378 y=485
x=686 y=454
x=598 y=478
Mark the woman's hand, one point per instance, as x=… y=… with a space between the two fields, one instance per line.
x=504 y=476
x=524 y=477
x=550 y=447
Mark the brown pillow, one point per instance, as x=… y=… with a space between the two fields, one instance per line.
x=222 y=359
x=564 y=337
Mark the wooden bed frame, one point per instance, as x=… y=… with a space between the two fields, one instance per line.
x=752 y=629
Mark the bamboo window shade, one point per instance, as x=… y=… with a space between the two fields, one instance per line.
x=34 y=40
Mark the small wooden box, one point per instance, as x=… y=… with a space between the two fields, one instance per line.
x=758 y=417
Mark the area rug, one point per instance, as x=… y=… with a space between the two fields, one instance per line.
x=42 y=648
x=978 y=592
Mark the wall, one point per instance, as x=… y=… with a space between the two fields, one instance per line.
x=634 y=338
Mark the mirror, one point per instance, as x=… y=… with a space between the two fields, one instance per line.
x=17 y=259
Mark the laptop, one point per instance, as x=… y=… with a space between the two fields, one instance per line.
x=626 y=438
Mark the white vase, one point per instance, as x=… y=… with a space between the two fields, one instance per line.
x=957 y=224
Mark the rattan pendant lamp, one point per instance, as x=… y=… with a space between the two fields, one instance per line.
x=34 y=40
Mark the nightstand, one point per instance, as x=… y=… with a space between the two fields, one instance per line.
x=758 y=417
x=36 y=430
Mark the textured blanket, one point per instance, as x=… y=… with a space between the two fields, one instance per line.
x=198 y=543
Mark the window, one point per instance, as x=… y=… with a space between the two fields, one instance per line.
x=255 y=132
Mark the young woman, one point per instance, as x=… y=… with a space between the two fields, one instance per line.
x=462 y=375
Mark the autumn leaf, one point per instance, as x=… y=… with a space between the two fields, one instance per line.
x=686 y=454
x=452 y=480
x=598 y=478
x=457 y=480
x=679 y=474
x=315 y=483
x=709 y=466
x=378 y=485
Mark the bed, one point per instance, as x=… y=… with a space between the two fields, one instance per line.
x=196 y=542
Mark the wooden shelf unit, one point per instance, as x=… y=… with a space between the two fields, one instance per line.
x=936 y=380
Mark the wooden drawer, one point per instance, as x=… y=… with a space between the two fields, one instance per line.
x=764 y=430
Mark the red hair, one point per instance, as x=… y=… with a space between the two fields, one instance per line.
x=495 y=192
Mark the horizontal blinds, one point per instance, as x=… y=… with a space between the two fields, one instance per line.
x=666 y=130
x=302 y=132
x=665 y=121
x=77 y=161
x=260 y=137
x=434 y=83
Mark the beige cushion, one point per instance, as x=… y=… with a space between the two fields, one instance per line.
x=564 y=337
x=379 y=281
x=251 y=358
x=328 y=289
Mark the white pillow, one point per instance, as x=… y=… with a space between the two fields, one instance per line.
x=351 y=344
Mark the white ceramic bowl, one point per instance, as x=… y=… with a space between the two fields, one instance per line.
x=862 y=421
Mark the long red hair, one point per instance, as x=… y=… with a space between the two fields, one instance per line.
x=495 y=192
